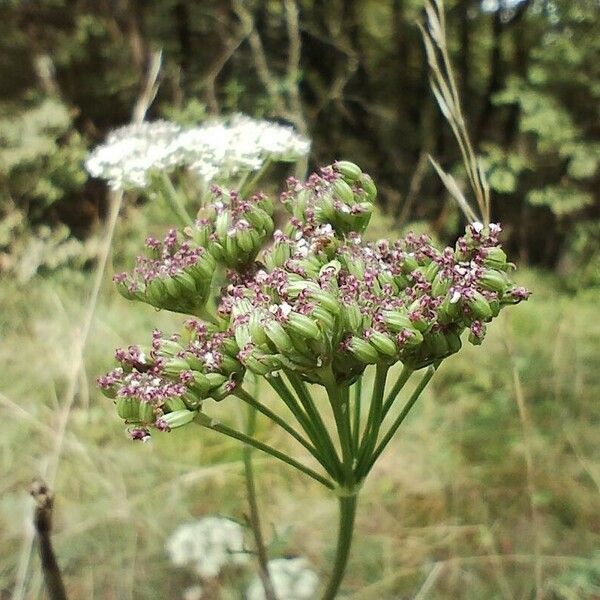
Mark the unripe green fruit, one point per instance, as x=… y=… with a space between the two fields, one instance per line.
x=396 y=321
x=480 y=306
x=178 y=418
x=146 y=412
x=343 y=191
x=363 y=351
x=303 y=326
x=382 y=343
x=348 y=169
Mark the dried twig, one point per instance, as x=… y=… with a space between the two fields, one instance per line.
x=445 y=90
x=116 y=198
x=42 y=521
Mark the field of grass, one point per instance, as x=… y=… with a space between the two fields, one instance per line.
x=491 y=490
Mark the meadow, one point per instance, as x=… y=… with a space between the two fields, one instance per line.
x=490 y=491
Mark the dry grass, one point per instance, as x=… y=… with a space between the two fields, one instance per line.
x=446 y=514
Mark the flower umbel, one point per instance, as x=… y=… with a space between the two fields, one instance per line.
x=307 y=304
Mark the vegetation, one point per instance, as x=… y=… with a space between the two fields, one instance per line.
x=504 y=500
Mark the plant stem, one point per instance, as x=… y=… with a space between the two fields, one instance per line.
x=205 y=421
x=247 y=186
x=316 y=420
x=357 y=408
x=251 y=401
x=371 y=432
x=336 y=399
x=346 y=528
x=310 y=425
x=400 y=382
x=174 y=199
x=409 y=404
x=255 y=525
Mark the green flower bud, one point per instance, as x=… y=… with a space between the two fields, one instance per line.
x=201 y=383
x=363 y=351
x=303 y=326
x=201 y=234
x=230 y=364
x=396 y=320
x=343 y=191
x=257 y=330
x=430 y=271
x=449 y=311
x=146 y=412
x=175 y=365
x=410 y=264
x=348 y=170
x=368 y=185
x=353 y=316
x=204 y=268
x=186 y=284
x=128 y=409
x=223 y=224
x=324 y=317
x=326 y=300
x=480 y=306
x=193 y=400
x=245 y=241
x=123 y=289
x=178 y=418
x=173 y=404
x=215 y=379
x=259 y=219
x=493 y=280
x=453 y=341
x=439 y=344
x=276 y=333
x=221 y=392
x=495 y=258
x=382 y=343
x=441 y=285
x=156 y=293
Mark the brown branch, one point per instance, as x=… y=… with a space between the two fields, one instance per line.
x=260 y=57
x=42 y=521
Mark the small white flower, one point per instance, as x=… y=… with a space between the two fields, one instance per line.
x=216 y=150
x=208 y=546
x=292 y=579
x=130 y=153
x=477 y=226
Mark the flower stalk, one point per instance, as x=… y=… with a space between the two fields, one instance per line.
x=308 y=306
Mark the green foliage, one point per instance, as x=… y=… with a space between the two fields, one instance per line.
x=451 y=490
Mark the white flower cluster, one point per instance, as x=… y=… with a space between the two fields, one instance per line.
x=292 y=578
x=208 y=545
x=131 y=152
x=215 y=151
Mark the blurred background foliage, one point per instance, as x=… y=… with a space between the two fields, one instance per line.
x=493 y=489
x=349 y=73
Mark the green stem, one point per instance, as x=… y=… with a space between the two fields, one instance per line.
x=255 y=525
x=248 y=186
x=319 y=427
x=336 y=399
x=374 y=419
x=344 y=541
x=357 y=408
x=400 y=382
x=251 y=401
x=288 y=398
x=205 y=421
x=407 y=407
x=174 y=199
